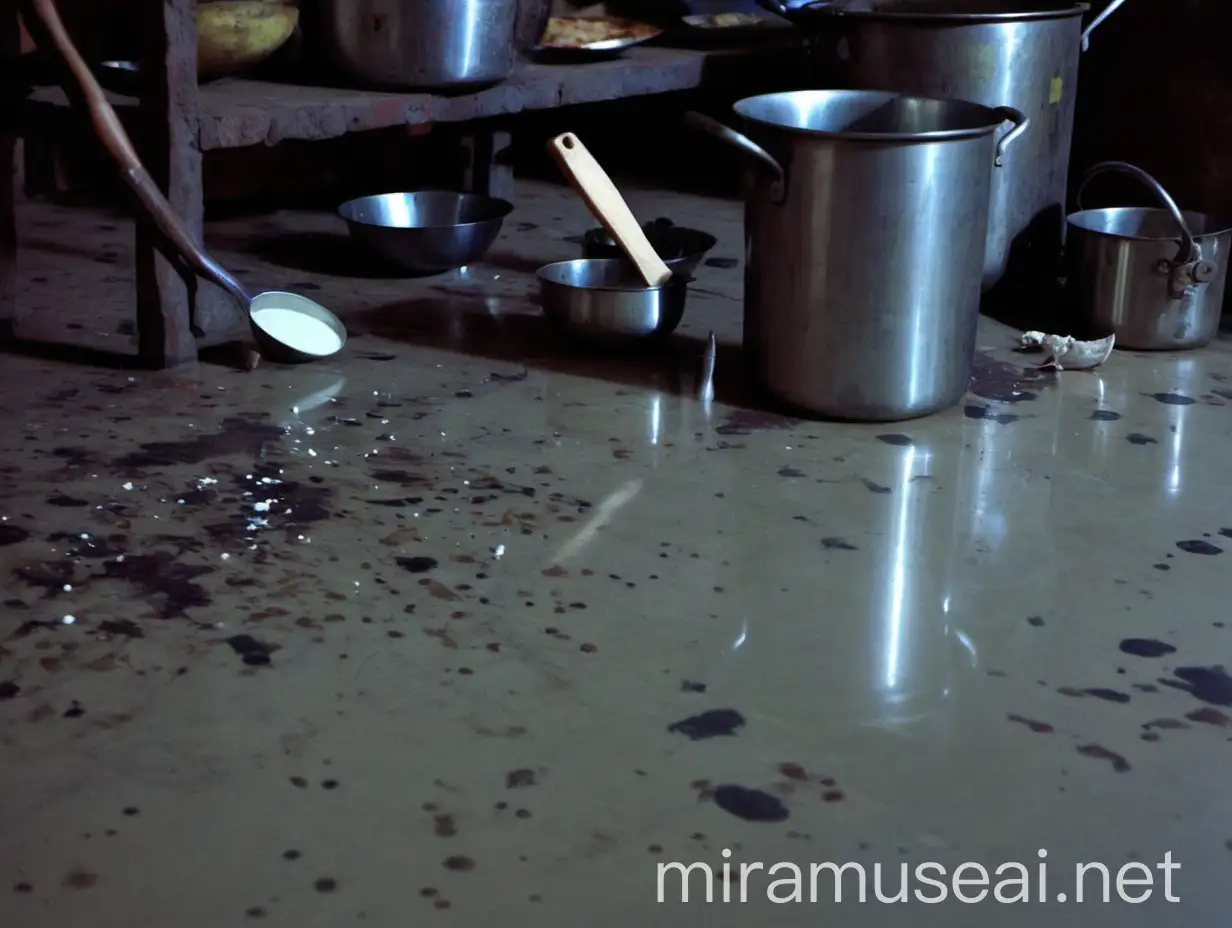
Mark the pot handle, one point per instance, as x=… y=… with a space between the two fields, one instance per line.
x=1187 y=268
x=1021 y=124
x=726 y=134
x=1107 y=11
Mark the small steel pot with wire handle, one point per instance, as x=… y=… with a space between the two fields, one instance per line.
x=1155 y=278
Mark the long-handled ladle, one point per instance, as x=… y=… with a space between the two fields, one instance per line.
x=284 y=325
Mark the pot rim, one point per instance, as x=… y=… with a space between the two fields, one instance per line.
x=965 y=19
x=500 y=210
x=544 y=275
x=1225 y=226
x=995 y=120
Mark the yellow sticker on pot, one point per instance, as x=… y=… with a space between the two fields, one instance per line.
x=1054 y=92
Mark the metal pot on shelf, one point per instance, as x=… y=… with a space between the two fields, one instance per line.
x=865 y=224
x=420 y=44
x=533 y=16
x=1019 y=53
x=1155 y=278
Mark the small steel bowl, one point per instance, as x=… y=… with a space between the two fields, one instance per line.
x=680 y=248
x=605 y=301
x=428 y=231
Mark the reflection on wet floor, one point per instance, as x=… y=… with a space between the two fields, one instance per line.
x=460 y=625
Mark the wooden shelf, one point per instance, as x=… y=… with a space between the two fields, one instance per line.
x=235 y=112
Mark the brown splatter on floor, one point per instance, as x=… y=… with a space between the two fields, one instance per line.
x=80 y=879
x=1119 y=763
x=521 y=777
x=444 y=826
x=1038 y=727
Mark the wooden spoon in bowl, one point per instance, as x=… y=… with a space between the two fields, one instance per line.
x=608 y=206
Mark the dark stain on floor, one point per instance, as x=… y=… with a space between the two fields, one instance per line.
x=269 y=500
x=251 y=651
x=1105 y=415
x=1107 y=695
x=1172 y=399
x=417 y=565
x=837 y=544
x=985 y=412
x=1198 y=546
x=12 y=534
x=748 y=421
x=66 y=502
x=121 y=628
x=1209 y=716
x=234 y=436
x=1137 y=438
x=896 y=439
x=873 y=487
x=1210 y=685
x=717 y=723
x=1146 y=647
x=1119 y=763
x=444 y=825
x=520 y=778
x=160 y=574
x=1006 y=383
x=752 y=805
x=1042 y=728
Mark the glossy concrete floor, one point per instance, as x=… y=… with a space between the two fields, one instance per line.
x=464 y=626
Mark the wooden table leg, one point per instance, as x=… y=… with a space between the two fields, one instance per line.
x=10 y=46
x=488 y=170
x=169 y=148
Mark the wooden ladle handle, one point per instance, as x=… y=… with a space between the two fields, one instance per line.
x=608 y=206
x=111 y=133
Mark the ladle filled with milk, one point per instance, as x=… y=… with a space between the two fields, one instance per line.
x=297 y=327
x=285 y=326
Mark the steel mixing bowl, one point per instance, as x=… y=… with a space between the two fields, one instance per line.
x=605 y=301
x=428 y=231
x=681 y=249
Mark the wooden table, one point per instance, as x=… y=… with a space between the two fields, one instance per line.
x=179 y=120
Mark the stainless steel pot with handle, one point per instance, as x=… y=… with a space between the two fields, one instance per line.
x=1019 y=53
x=864 y=224
x=420 y=44
x=1155 y=278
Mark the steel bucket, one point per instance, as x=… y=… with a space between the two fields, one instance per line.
x=864 y=233
x=1019 y=53
x=1155 y=278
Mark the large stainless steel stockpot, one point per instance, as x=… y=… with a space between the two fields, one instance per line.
x=1019 y=53
x=865 y=225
